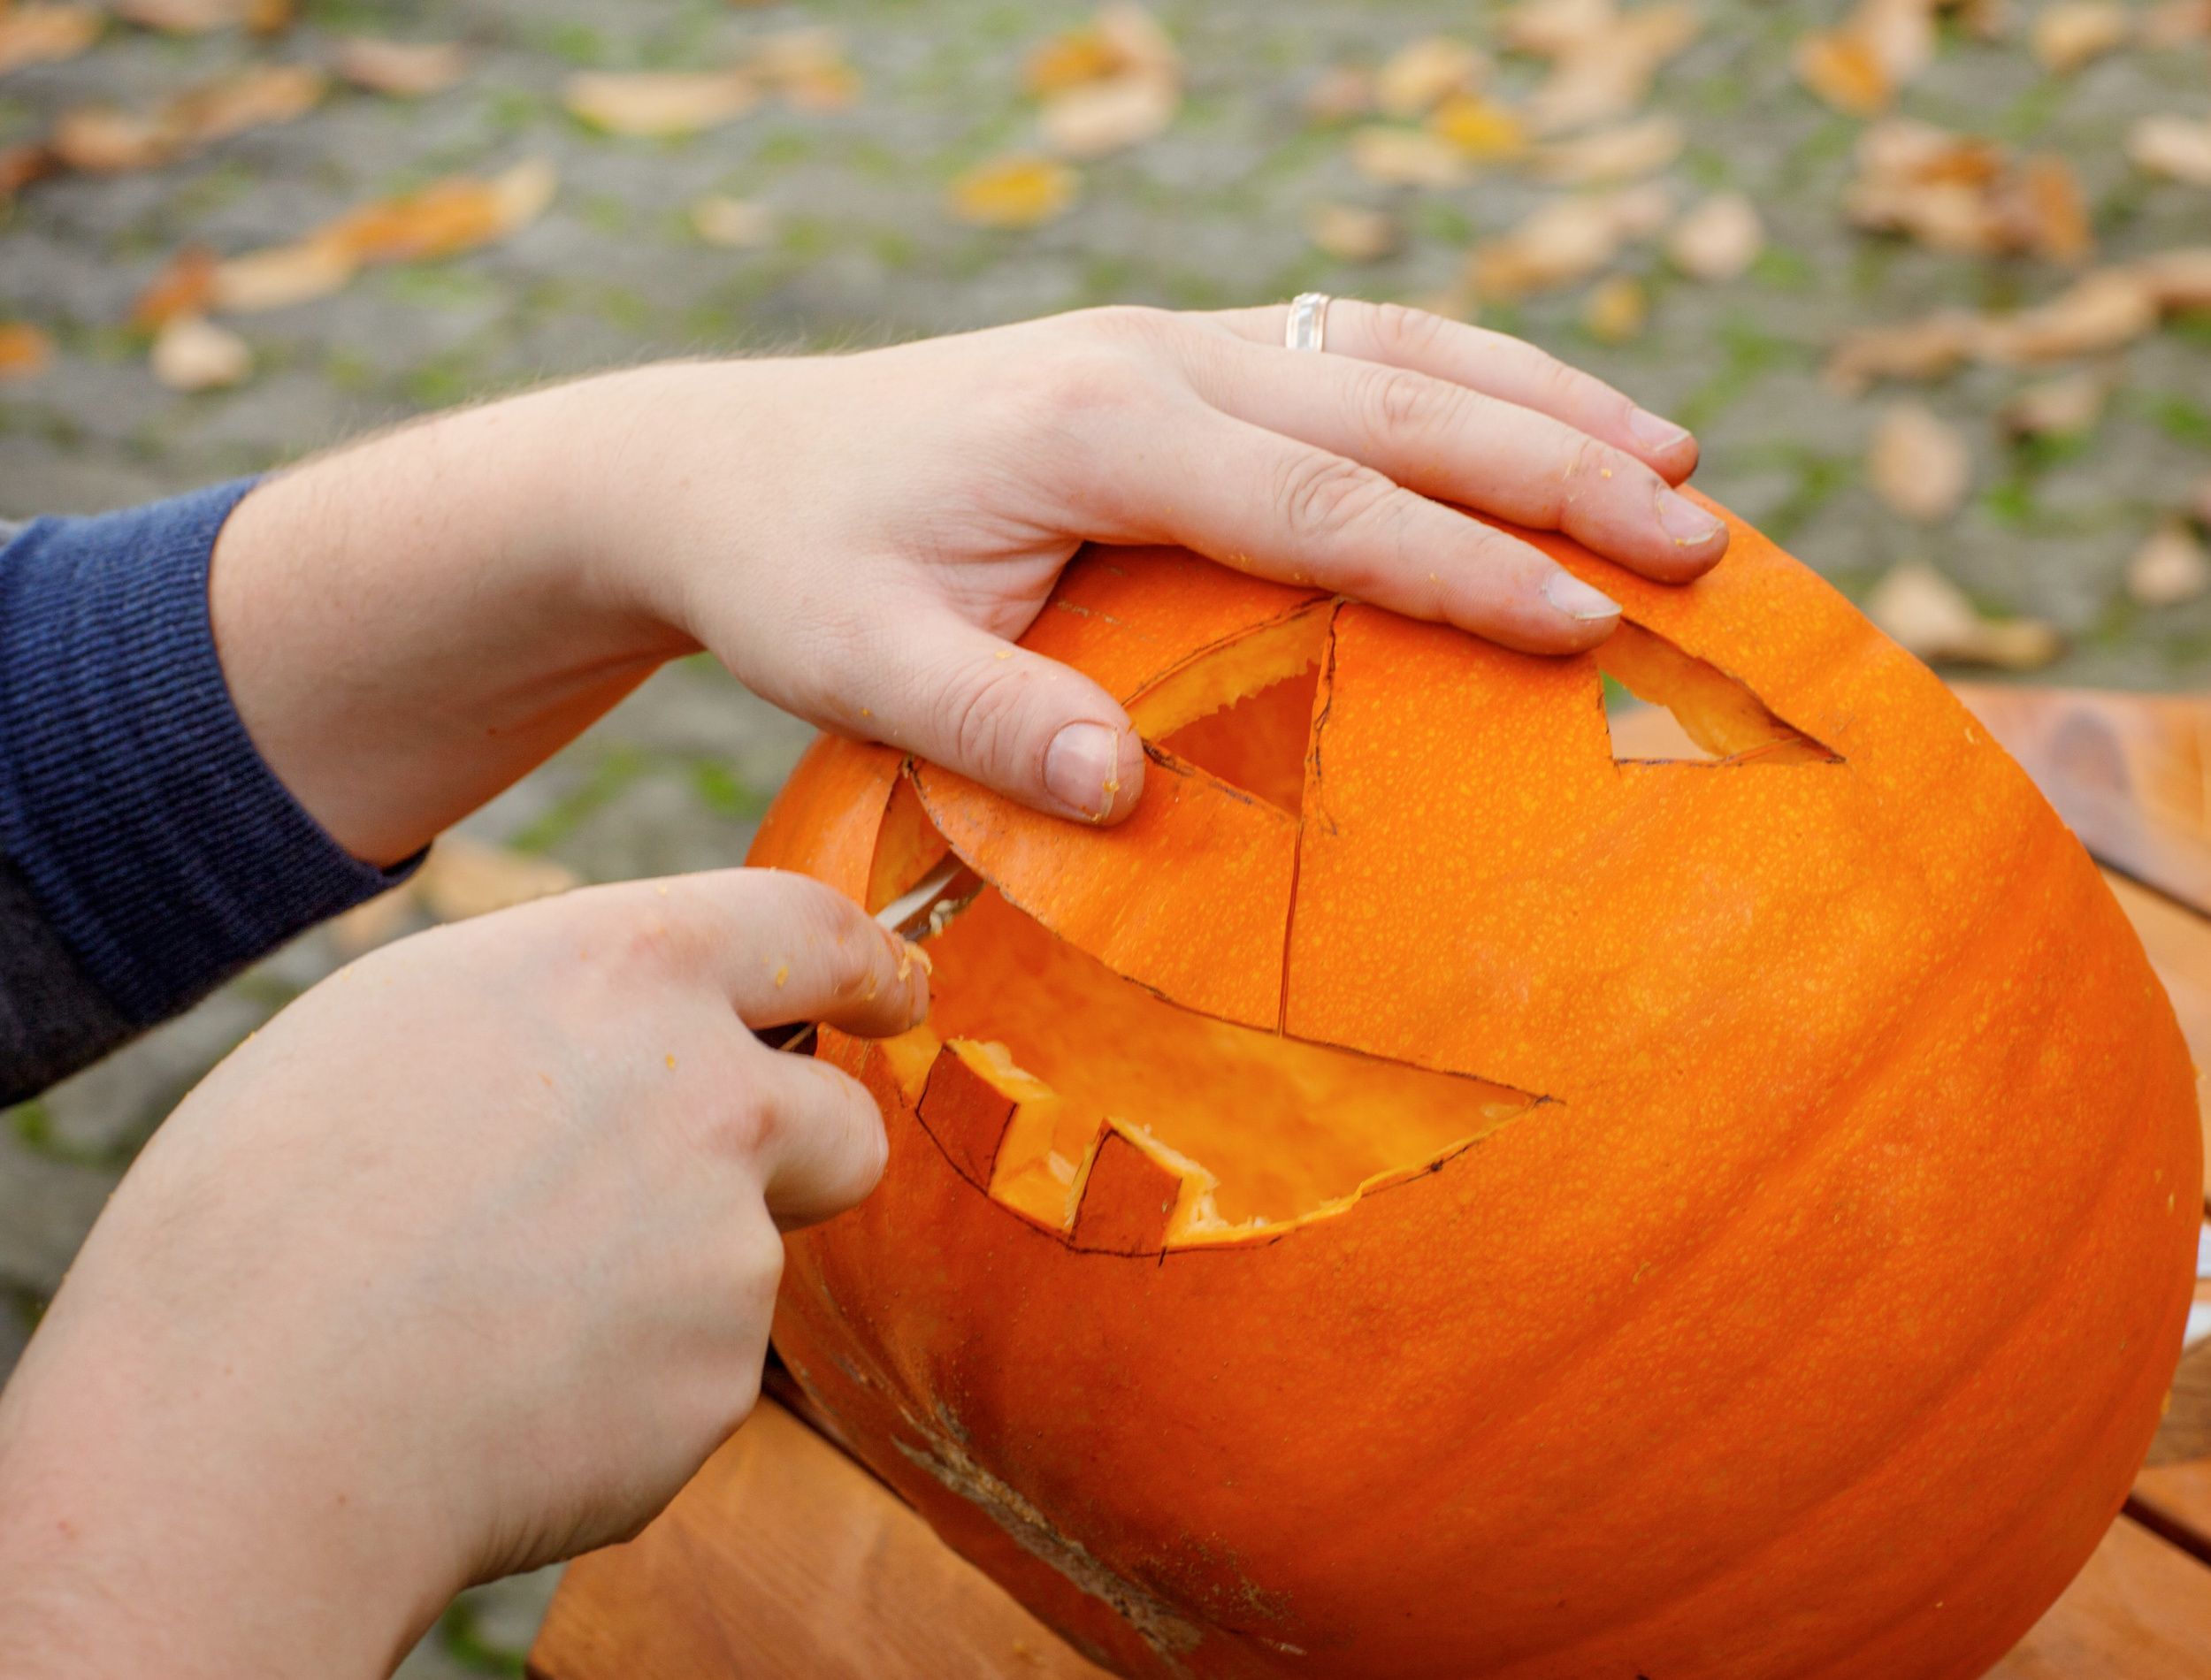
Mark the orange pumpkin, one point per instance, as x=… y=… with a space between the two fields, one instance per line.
x=1434 y=1194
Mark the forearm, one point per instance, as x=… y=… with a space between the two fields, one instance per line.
x=410 y=624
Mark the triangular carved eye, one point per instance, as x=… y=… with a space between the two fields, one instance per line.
x=1698 y=713
x=1244 y=713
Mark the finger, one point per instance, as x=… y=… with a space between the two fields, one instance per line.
x=822 y=1143
x=779 y=946
x=1265 y=503
x=1025 y=725
x=1494 y=363
x=1446 y=440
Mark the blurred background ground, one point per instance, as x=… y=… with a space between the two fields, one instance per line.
x=832 y=214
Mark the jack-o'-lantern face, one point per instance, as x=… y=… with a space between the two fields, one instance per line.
x=1692 y=1079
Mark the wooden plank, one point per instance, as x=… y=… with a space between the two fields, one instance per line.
x=785 y=1561
x=2141 y=1610
x=2178 y=941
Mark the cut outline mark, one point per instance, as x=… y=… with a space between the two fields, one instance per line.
x=1662 y=663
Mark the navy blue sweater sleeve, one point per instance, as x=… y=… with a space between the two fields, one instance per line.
x=160 y=851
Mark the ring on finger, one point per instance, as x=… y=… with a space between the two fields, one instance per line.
x=1308 y=325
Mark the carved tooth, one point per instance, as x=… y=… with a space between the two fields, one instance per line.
x=1129 y=1199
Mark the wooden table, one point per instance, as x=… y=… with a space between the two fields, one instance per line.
x=785 y=1560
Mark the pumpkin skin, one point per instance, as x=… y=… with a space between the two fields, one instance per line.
x=1815 y=1321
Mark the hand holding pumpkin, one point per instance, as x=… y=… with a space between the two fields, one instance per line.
x=388 y=1307
x=410 y=624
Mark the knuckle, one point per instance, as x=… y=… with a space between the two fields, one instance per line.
x=1320 y=497
x=1560 y=385
x=983 y=716
x=1400 y=330
x=1403 y=403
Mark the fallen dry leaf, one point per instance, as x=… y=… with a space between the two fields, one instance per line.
x=1342 y=92
x=400 y=69
x=188 y=17
x=2176 y=23
x=1918 y=464
x=1481 y=130
x=186 y=285
x=1618 y=310
x=279 y=276
x=1843 y=72
x=1552 y=28
x=99 y=140
x=2057 y=407
x=26 y=351
x=2170 y=568
x=1605 y=156
x=2174 y=146
x=252 y=98
x=1352 y=232
x=22 y=163
x=659 y=104
x=2068 y=34
x=1100 y=118
x=455 y=214
x=463 y=878
x=1717 y=241
x=1608 y=75
x=45 y=35
x=2050 y=210
x=1932 y=347
x=1930 y=616
x=1419 y=77
x=1407 y=158
x=734 y=224
x=807 y=68
x=1565 y=241
x=1118 y=40
x=2101 y=312
x=2176 y=279
x=1963 y=195
x=1013 y=192
x=191 y=353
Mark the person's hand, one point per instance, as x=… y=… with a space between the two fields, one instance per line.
x=858 y=537
x=409 y=625
x=463 y=1264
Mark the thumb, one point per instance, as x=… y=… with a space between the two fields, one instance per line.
x=1024 y=725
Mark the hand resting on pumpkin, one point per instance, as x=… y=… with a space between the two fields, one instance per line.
x=410 y=624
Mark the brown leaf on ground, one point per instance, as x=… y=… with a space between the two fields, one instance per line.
x=1416 y=78
x=191 y=353
x=1932 y=347
x=1618 y=310
x=463 y=878
x=1552 y=28
x=400 y=69
x=1100 y=118
x=26 y=351
x=1342 y=92
x=1352 y=232
x=659 y=104
x=1964 y=195
x=2058 y=407
x=2071 y=33
x=456 y=214
x=194 y=16
x=1483 y=131
x=1917 y=464
x=1606 y=156
x=1013 y=192
x=45 y=34
x=2176 y=279
x=807 y=68
x=1717 y=241
x=2169 y=567
x=2176 y=23
x=186 y=285
x=1566 y=240
x=1119 y=39
x=102 y=140
x=2174 y=146
x=279 y=275
x=1608 y=75
x=1408 y=158
x=22 y=163
x=1881 y=46
x=733 y=224
x=2101 y=311
x=2050 y=210
x=1930 y=616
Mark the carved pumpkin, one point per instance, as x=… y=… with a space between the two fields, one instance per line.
x=1430 y=1194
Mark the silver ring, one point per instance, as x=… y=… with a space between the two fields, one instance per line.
x=1308 y=328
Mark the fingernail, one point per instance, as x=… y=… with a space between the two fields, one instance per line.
x=1575 y=599
x=1652 y=432
x=1689 y=524
x=1081 y=766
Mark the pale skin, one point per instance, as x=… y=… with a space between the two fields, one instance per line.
x=467 y=1262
